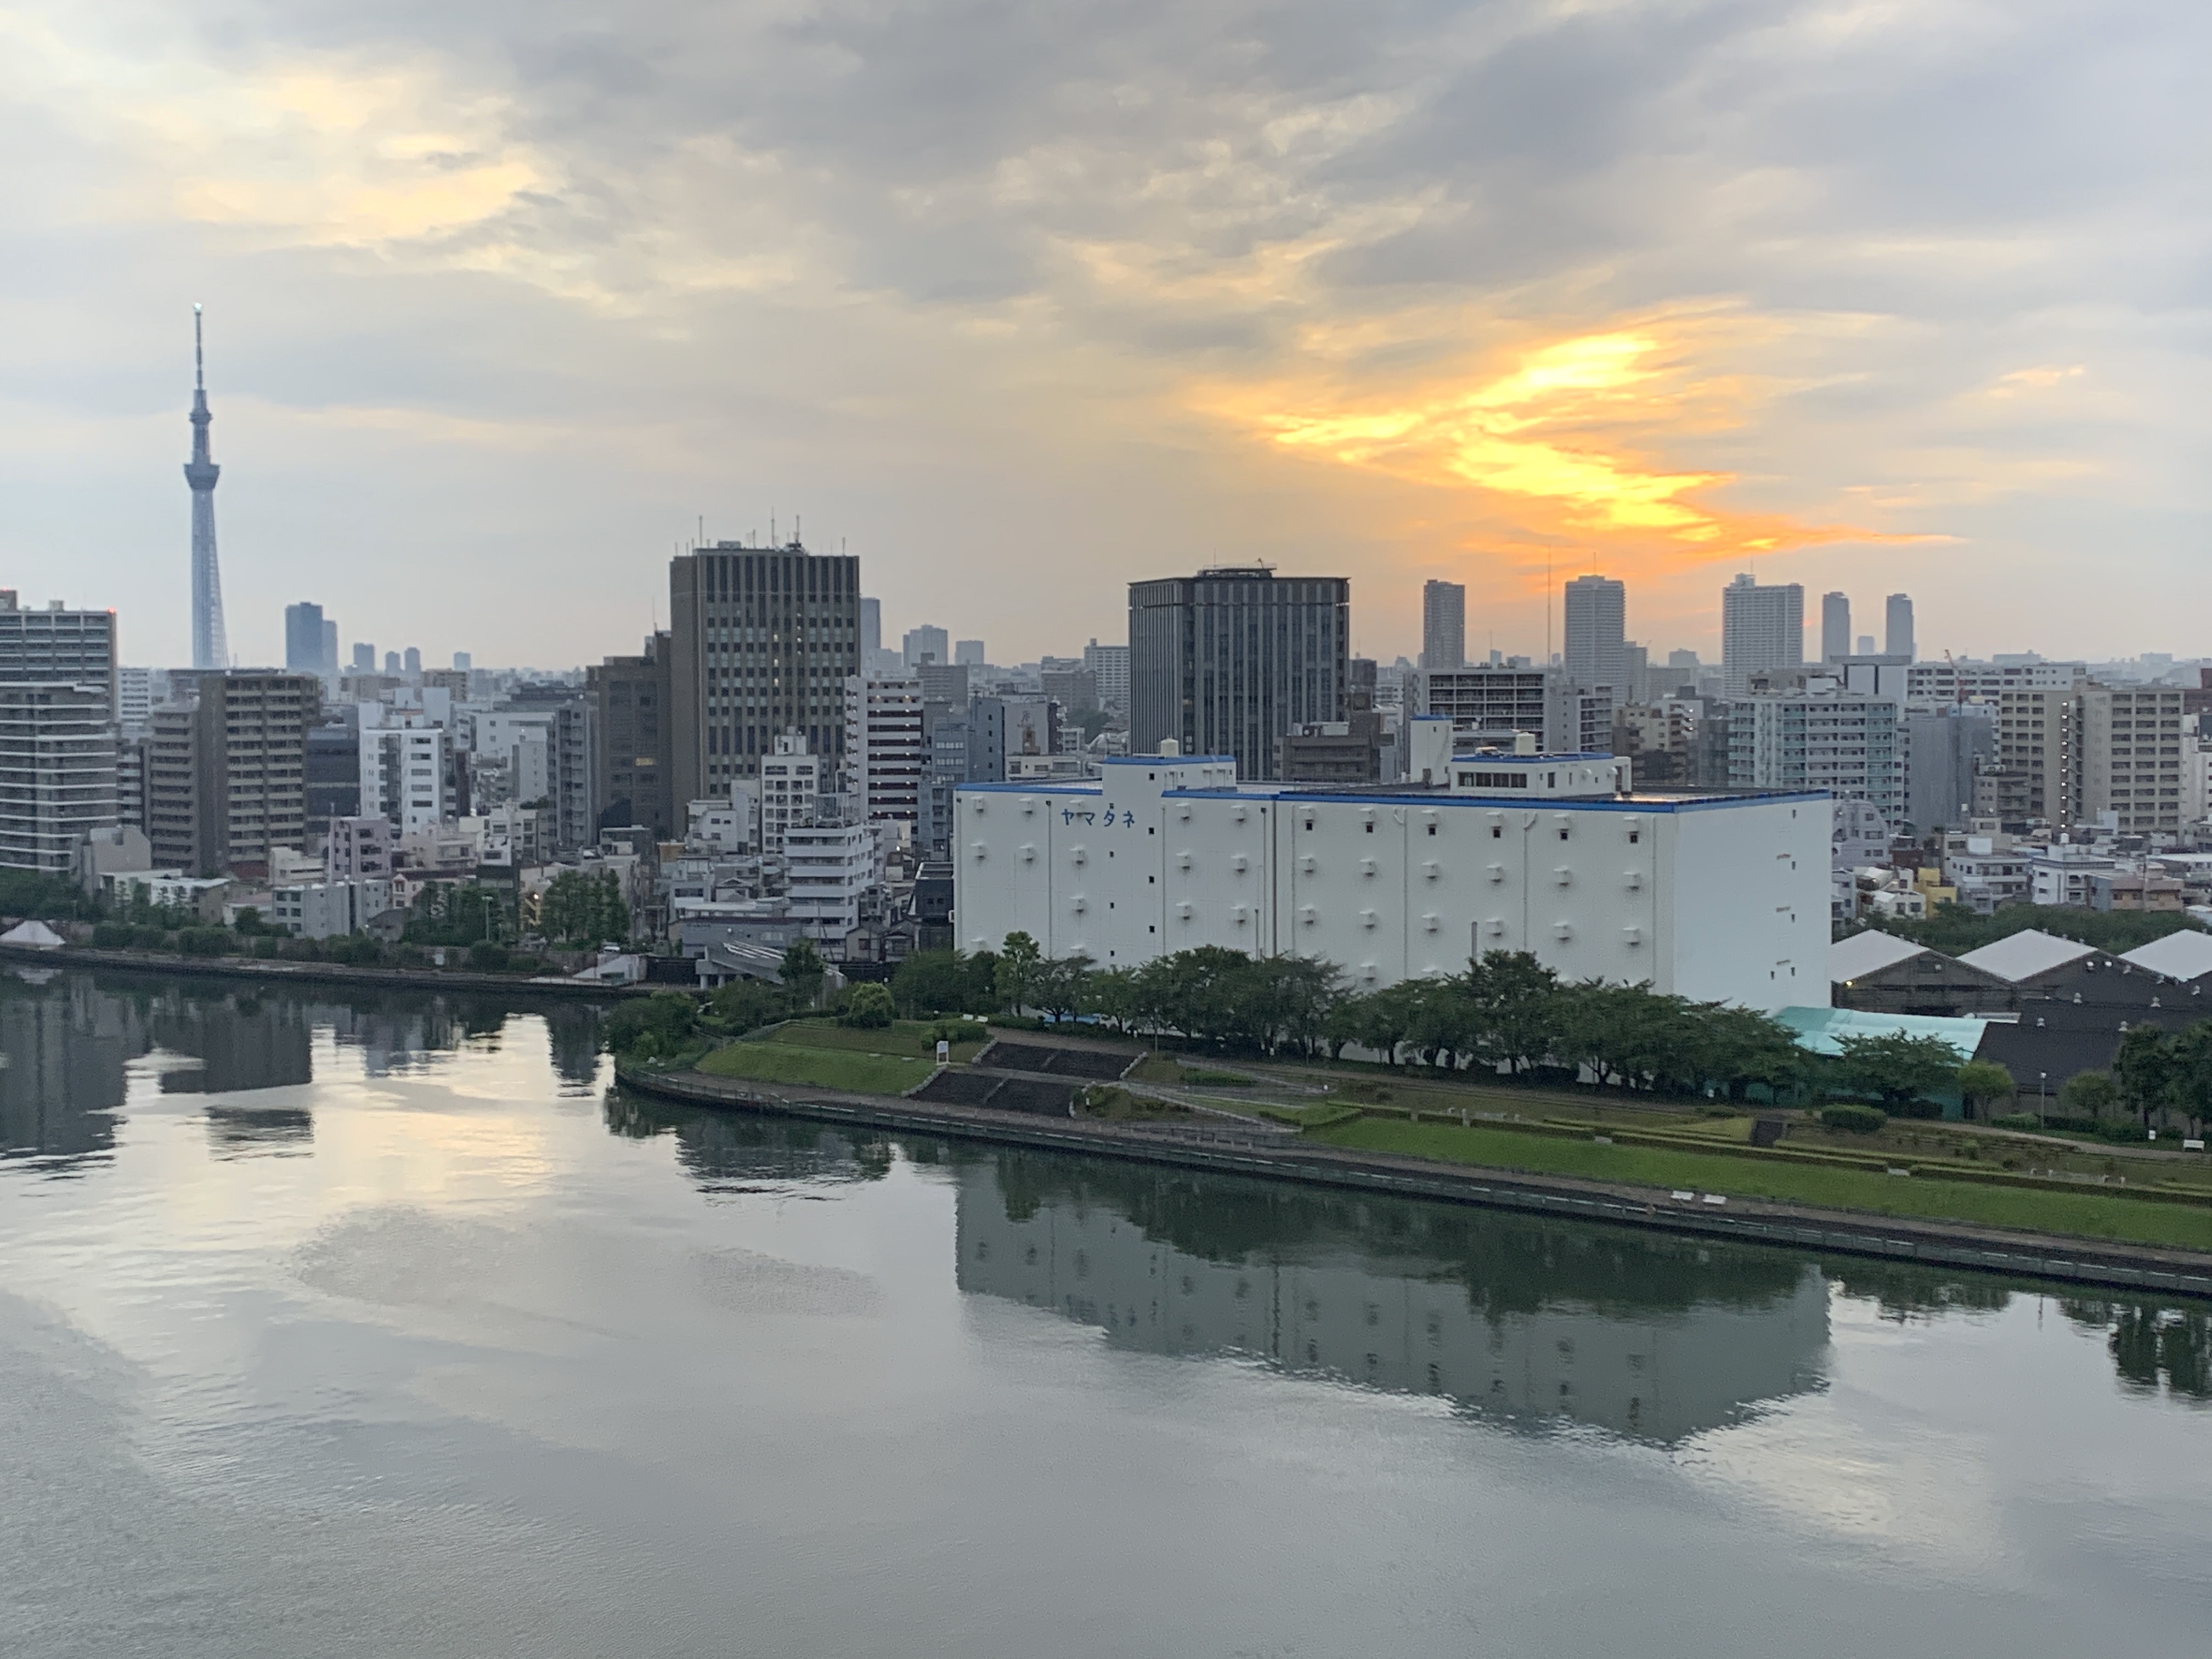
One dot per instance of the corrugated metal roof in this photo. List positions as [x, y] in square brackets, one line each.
[1822, 1031]
[2025, 954]
[2184, 954]
[1869, 953]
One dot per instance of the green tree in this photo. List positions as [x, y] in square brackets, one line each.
[2088, 1095]
[2145, 1069]
[2189, 1089]
[870, 1007]
[1110, 994]
[803, 972]
[1017, 959]
[1980, 1083]
[658, 1027]
[744, 1005]
[1517, 1008]
[1058, 986]
[933, 982]
[1896, 1069]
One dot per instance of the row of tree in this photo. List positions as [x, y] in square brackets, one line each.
[1507, 1012]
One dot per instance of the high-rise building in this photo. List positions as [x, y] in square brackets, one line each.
[1109, 670]
[303, 638]
[926, 643]
[1945, 747]
[56, 771]
[333, 774]
[1843, 741]
[791, 789]
[1495, 704]
[330, 652]
[134, 705]
[391, 662]
[1595, 618]
[226, 774]
[56, 644]
[364, 658]
[969, 654]
[1000, 729]
[575, 774]
[872, 632]
[884, 749]
[1835, 626]
[632, 703]
[211, 646]
[1228, 661]
[413, 663]
[1444, 625]
[1761, 627]
[1898, 619]
[762, 641]
[1866, 645]
[407, 773]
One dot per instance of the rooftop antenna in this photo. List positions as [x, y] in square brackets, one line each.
[702, 542]
[798, 534]
[199, 362]
[771, 526]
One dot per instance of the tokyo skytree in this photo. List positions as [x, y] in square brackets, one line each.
[210, 649]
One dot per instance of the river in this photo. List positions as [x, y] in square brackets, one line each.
[341, 1324]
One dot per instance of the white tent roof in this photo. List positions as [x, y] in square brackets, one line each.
[2184, 954]
[33, 933]
[1869, 953]
[2025, 954]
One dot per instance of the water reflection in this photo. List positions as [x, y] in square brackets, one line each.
[738, 1153]
[71, 1045]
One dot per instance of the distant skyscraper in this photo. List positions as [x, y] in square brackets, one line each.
[1866, 645]
[872, 631]
[1835, 626]
[303, 637]
[1595, 625]
[210, 649]
[414, 662]
[391, 662]
[928, 643]
[463, 662]
[364, 658]
[968, 652]
[1444, 625]
[1761, 627]
[1900, 623]
[1228, 661]
[330, 649]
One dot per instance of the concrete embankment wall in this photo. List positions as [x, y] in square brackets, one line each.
[2059, 1261]
[273, 972]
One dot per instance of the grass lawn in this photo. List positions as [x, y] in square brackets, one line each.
[2088, 1215]
[821, 1068]
[909, 1037]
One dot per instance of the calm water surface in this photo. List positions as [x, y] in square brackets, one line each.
[381, 1325]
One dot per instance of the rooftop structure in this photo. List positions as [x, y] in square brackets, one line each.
[211, 646]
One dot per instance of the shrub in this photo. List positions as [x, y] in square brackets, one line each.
[2016, 1121]
[1854, 1120]
[487, 955]
[521, 962]
[148, 938]
[652, 1028]
[870, 1005]
[265, 946]
[300, 950]
[113, 935]
[203, 941]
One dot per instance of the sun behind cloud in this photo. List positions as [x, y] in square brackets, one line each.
[1563, 436]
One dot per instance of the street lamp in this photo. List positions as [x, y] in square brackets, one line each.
[2042, 1099]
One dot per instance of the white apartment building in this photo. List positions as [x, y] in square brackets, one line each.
[1714, 897]
[57, 772]
[832, 866]
[1965, 680]
[406, 771]
[358, 848]
[134, 700]
[883, 748]
[1109, 668]
[328, 909]
[1987, 876]
[1840, 742]
[1761, 627]
[2060, 874]
[790, 790]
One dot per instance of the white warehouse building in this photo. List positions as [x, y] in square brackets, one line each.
[1714, 897]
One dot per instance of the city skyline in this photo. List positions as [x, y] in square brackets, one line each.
[483, 295]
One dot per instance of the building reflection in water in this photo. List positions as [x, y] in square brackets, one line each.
[740, 1152]
[1525, 1320]
[70, 1043]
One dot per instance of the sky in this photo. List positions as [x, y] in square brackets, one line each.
[1020, 302]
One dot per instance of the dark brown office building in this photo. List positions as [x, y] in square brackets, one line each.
[630, 699]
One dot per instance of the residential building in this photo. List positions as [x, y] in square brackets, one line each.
[871, 633]
[764, 639]
[226, 774]
[575, 774]
[1074, 688]
[632, 702]
[359, 850]
[1839, 742]
[1897, 641]
[1443, 626]
[407, 773]
[1225, 662]
[1493, 702]
[1761, 627]
[2134, 889]
[57, 646]
[2088, 755]
[1657, 737]
[1944, 748]
[1578, 719]
[832, 867]
[945, 769]
[328, 909]
[1988, 873]
[56, 771]
[1835, 627]
[927, 643]
[2058, 875]
[1001, 728]
[1109, 673]
[130, 780]
[791, 778]
[136, 695]
[884, 749]
[364, 658]
[1725, 898]
[1593, 619]
[412, 664]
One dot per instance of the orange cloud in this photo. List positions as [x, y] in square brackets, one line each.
[1559, 439]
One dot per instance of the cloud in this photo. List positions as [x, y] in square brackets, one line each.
[1047, 296]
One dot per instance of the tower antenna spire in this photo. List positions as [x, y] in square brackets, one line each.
[209, 647]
